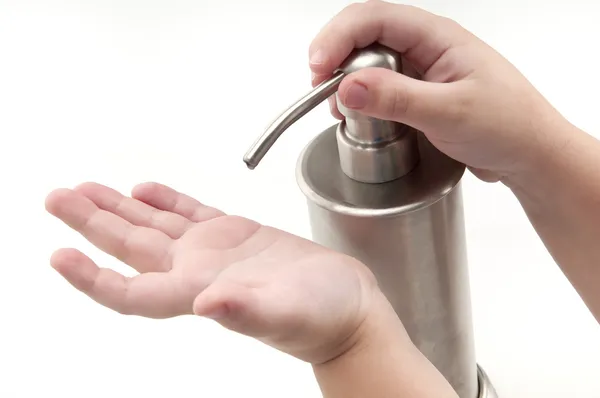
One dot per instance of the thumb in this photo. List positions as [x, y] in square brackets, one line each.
[237, 307]
[388, 95]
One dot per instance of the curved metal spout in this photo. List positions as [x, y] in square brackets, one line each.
[304, 105]
[370, 150]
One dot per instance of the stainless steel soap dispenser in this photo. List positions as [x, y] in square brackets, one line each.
[378, 191]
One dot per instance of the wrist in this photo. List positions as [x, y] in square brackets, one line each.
[543, 162]
[382, 361]
[380, 328]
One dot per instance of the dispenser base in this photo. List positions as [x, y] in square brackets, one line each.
[486, 389]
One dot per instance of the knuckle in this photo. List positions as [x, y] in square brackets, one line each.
[398, 103]
[381, 4]
[409, 8]
[337, 26]
[373, 8]
[373, 3]
[350, 10]
[449, 23]
[377, 9]
[460, 109]
[453, 27]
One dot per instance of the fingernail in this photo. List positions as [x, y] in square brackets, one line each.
[356, 96]
[318, 58]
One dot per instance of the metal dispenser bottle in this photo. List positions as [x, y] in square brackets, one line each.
[380, 192]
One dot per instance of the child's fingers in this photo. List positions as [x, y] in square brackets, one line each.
[150, 295]
[423, 37]
[144, 249]
[318, 79]
[135, 211]
[167, 199]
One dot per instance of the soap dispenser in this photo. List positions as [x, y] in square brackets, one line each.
[379, 191]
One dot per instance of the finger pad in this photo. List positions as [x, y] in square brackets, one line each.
[56, 199]
[75, 267]
[70, 206]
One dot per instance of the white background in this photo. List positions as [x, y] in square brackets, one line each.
[125, 91]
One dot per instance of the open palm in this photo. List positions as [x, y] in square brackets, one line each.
[191, 258]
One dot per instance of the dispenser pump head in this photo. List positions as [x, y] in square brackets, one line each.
[370, 150]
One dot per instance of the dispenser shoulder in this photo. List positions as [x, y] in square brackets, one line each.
[323, 182]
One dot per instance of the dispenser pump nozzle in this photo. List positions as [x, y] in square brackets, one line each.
[371, 150]
[304, 105]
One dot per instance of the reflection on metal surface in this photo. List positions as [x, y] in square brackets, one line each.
[486, 389]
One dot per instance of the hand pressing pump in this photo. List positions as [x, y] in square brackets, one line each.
[379, 191]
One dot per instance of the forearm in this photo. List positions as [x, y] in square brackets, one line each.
[382, 363]
[561, 196]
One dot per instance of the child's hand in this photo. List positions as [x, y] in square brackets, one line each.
[286, 291]
[471, 102]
